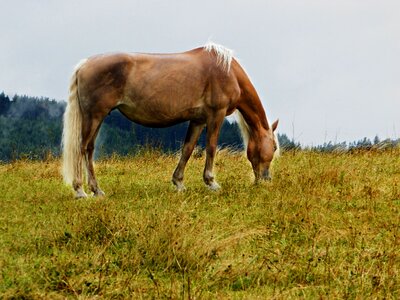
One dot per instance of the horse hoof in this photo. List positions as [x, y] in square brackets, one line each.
[99, 193]
[80, 194]
[180, 187]
[214, 186]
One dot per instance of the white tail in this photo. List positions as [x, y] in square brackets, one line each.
[72, 132]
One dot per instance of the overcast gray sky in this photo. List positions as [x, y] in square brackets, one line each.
[328, 69]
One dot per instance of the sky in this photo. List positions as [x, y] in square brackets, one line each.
[329, 70]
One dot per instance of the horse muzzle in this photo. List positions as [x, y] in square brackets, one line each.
[266, 176]
[263, 177]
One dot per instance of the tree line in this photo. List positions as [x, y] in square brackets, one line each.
[31, 127]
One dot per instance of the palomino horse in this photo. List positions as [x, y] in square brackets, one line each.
[202, 86]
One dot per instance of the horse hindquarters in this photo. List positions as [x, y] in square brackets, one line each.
[79, 133]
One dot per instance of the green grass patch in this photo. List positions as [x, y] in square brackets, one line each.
[327, 226]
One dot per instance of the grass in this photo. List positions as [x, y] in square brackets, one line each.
[327, 226]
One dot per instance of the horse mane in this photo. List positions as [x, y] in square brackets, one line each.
[224, 55]
[244, 129]
[278, 146]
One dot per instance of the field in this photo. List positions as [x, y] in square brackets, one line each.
[327, 226]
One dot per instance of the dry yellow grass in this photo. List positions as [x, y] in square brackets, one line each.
[327, 226]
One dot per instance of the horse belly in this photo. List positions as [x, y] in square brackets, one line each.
[160, 113]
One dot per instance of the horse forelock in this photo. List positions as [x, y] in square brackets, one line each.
[224, 55]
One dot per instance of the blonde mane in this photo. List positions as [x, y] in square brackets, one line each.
[224, 55]
[244, 129]
[278, 146]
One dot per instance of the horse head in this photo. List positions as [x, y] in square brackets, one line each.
[261, 149]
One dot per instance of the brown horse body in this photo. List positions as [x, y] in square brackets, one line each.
[201, 86]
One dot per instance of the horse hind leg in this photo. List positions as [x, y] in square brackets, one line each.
[192, 135]
[92, 182]
[77, 183]
[91, 129]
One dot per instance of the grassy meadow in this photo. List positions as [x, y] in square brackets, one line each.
[327, 226]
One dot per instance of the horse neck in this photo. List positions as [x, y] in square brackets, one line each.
[252, 111]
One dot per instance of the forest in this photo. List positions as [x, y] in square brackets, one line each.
[31, 127]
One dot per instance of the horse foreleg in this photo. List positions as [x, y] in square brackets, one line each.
[192, 135]
[213, 128]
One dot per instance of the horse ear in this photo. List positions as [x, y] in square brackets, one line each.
[275, 124]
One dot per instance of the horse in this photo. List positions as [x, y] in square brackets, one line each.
[202, 86]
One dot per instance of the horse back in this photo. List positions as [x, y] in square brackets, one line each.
[157, 89]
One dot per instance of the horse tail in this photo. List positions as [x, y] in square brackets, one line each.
[72, 132]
